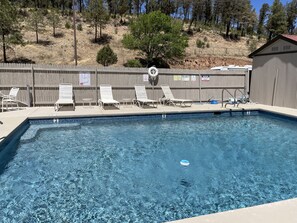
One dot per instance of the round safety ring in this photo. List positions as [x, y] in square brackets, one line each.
[153, 72]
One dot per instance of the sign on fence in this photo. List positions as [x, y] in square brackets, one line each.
[205, 78]
[84, 79]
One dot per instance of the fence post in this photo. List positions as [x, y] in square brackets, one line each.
[33, 85]
[199, 87]
[245, 82]
[96, 86]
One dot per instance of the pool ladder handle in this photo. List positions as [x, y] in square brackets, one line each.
[229, 94]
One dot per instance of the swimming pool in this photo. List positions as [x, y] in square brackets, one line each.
[127, 169]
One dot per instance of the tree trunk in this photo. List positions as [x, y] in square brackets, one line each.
[228, 29]
[54, 31]
[80, 6]
[100, 30]
[36, 33]
[96, 33]
[270, 35]
[191, 22]
[4, 48]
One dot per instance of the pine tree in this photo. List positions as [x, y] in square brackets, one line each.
[36, 22]
[277, 22]
[106, 56]
[262, 17]
[9, 29]
[97, 15]
[291, 9]
[54, 20]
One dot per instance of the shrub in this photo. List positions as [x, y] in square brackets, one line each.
[205, 39]
[207, 45]
[200, 43]
[253, 45]
[67, 25]
[133, 63]
[79, 27]
[106, 56]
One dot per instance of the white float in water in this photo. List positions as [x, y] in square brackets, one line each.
[184, 162]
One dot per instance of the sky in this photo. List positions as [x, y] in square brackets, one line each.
[257, 4]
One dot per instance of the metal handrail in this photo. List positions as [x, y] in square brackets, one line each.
[223, 96]
[239, 91]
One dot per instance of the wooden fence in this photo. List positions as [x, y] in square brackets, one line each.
[39, 83]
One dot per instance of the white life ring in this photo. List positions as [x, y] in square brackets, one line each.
[153, 72]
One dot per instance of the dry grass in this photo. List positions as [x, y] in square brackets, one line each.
[59, 50]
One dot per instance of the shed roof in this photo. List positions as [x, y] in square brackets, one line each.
[289, 38]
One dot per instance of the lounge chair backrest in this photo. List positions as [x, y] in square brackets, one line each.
[140, 92]
[13, 92]
[66, 91]
[106, 92]
[167, 92]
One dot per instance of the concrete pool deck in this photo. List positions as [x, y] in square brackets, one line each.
[283, 211]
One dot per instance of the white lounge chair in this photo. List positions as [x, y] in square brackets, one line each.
[65, 96]
[141, 97]
[170, 99]
[107, 97]
[10, 99]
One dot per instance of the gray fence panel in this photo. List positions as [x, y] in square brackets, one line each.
[44, 81]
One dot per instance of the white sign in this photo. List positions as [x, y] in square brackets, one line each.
[205, 78]
[145, 77]
[193, 77]
[186, 78]
[84, 79]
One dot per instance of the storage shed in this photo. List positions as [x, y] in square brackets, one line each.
[274, 75]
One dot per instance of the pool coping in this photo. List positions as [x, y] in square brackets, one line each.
[281, 211]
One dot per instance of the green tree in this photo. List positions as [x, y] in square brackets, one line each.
[262, 17]
[123, 7]
[97, 15]
[54, 19]
[157, 36]
[106, 56]
[291, 9]
[9, 29]
[36, 22]
[277, 21]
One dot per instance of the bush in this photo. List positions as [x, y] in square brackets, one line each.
[133, 63]
[207, 45]
[200, 43]
[253, 45]
[79, 27]
[106, 56]
[205, 39]
[67, 25]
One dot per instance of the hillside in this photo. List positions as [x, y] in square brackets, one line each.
[59, 50]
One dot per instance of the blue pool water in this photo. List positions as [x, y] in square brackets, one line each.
[130, 171]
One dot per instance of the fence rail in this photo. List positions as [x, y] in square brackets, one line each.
[43, 82]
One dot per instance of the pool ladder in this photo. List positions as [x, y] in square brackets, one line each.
[223, 96]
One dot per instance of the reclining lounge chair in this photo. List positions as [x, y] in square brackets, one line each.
[10, 99]
[141, 97]
[107, 97]
[65, 96]
[170, 99]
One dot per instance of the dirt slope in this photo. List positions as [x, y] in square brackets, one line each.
[59, 50]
